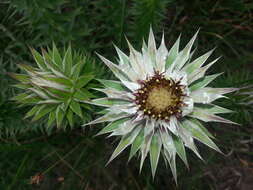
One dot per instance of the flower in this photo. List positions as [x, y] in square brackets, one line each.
[157, 102]
[55, 88]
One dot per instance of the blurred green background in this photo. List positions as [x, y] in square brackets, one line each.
[66, 160]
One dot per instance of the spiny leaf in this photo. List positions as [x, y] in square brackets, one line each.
[57, 93]
[180, 149]
[196, 64]
[32, 111]
[83, 80]
[80, 95]
[51, 119]
[42, 111]
[198, 134]
[70, 117]
[203, 82]
[125, 142]
[39, 60]
[20, 77]
[112, 84]
[155, 149]
[60, 80]
[136, 145]
[112, 126]
[67, 62]
[173, 52]
[56, 56]
[76, 69]
[212, 109]
[20, 97]
[59, 116]
[76, 108]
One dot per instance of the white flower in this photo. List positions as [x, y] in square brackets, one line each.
[155, 105]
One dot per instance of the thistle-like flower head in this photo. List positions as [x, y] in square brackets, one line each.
[157, 102]
[57, 87]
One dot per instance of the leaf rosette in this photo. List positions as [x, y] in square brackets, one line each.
[57, 88]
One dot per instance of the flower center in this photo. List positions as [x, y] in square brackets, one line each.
[160, 98]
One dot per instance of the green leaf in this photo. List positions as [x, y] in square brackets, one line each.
[76, 69]
[145, 147]
[110, 116]
[31, 100]
[123, 57]
[80, 95]
[207, 95]
[180, 149]
[39, 92]
[173, 52]
[42, 111]
[22, 86]
[59, 116]
[208, 117]
[26, 98]
[76, 108]
[136, 145]
[50, 101]
[57, 93]
[20, 77]
[155, 149]
[20, 97]
[51, 65]
[39, 60]
[70, 117]
[169, 151]
[204, 129]
[107, 102]
[88, 94]
[171, 159]
[86, 106]
[112, 126]
[32, 111]
[198, 134]
[60, 80]
[196, 64]
[203, 82]
[67, 62]
[27, 68]
[200, 72]
[56, 56]
[83, 80]
[117, 71]
[112, 84]
[212, 109]
[103, 112]
[125, 142]
[185, 54]
[51, 119]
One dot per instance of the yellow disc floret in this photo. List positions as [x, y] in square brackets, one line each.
[160, 98]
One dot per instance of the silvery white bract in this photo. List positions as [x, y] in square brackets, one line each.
[157, 102]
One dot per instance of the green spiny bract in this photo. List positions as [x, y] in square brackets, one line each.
[57, 87]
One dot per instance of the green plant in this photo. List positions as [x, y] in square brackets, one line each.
[57, 87]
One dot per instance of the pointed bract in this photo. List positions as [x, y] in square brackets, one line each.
[157, 102]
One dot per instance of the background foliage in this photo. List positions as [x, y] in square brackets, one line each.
[76, 160]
